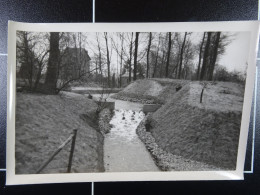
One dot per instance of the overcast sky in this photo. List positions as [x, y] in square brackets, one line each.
[237, 52]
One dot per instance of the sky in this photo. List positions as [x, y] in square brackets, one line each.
[237, 52]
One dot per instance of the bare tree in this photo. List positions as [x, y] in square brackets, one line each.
[51, 75]
[157, 54]
[121, 57]
[40, 62]
[24, 53]
[181, 55]
[148, 52]
[31, 60]
[135, 55]
[188, 56]
[130, 59]
[200, 55]
[214, 56]
[99, 56]
[168, 54]
[108, 60]
[205, 57]
[204, 86]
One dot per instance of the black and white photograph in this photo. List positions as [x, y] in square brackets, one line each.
[130, 101]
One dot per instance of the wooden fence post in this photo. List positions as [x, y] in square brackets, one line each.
[72, 149]
[54, 154]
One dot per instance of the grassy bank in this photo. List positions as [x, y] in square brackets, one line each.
[206, 132]
[165, 160]
[43, 122]
[150, 91]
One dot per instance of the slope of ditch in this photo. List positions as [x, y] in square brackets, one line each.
[207, 131]
[44, 122]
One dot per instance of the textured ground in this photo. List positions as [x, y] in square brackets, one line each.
[43, 122]
[207, 131]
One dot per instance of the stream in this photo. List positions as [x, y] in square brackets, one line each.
[123, 150]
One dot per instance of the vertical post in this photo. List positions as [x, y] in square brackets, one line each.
[72, 149]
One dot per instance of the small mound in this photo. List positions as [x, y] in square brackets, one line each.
[144, 87]
[151, 91]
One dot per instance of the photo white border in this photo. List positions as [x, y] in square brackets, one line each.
[12, 178]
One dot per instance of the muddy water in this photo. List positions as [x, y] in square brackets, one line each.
[123, 150]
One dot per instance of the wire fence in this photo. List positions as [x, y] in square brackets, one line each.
[71, 137]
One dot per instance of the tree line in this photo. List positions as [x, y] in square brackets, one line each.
[42, 62]
[167, 55]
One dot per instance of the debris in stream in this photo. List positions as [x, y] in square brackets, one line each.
[104, 121]
[124, 151]
[125, 123]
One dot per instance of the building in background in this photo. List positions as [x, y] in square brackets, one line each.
[75, 64]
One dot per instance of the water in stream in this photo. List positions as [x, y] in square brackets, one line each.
[123, 150]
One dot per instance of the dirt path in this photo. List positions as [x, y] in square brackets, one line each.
[123, 150]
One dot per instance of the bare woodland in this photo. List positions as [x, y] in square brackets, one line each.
[193, 81]
[49, 62]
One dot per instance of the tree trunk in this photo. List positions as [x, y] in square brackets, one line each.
[162, 64]
[51, 75]
[39, 73]
[108, 61]
[201, 94]
[156, 58]
[100, 63]
[96, 71]
[181, 55]
[148, 52]
[200, 55]
[26, 67]
[205, 57]
[121, 60]
[168, 55]
[214, 57]
[135, 55]
[130, 59]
